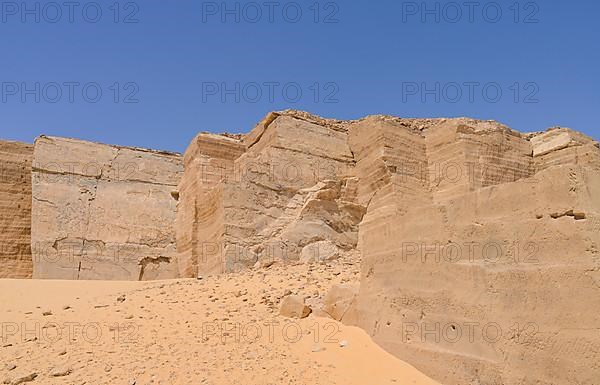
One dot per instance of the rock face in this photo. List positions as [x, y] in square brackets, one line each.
[15, 210]
[103, 212]
[289, 187]
[484, 255]
[480, 245]
[208, 160]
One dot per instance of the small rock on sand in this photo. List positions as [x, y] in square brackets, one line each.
[293, 306]
[62, 372]
[24, 379]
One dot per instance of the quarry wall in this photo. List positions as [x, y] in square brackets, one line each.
[488, 262]
[15, 210]
[103, 212]
[479, 245]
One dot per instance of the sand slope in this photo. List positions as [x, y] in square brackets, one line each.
[219, 330]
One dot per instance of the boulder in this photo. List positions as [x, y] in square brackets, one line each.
[319, 252]
[292, 306]
[340, 303]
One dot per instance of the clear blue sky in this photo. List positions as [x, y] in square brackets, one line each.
[347, 58]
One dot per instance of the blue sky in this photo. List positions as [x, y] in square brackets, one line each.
[166, 71]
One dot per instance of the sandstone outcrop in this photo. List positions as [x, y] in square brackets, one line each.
[103, 212]
[488, 261]
[207, 162]
[466, 228]
[479, 244]
[290, 186]
[15, 210]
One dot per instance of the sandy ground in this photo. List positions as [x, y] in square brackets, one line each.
[219, 330]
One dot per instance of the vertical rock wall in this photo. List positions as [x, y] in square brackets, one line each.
[290, 187]
[489, 276]
[103, 212]
[15, 210]
[287, 155]
[480, 245]
[208, 161]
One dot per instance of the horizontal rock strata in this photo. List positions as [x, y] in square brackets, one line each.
[15, 210]
[103, 212]
[488, 262]
[288, 187]
[479, 244]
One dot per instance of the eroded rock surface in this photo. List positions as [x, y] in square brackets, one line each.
[340, 303]
[489, 261]
[289, 187]
[103, 212]
[208, 160]
[15, 210]
[479, 245]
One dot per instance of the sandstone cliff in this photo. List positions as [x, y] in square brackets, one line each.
[15, 210]
[208, 160]
[479, 245]
[103, 212]
[488, 261]
[285, 186]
